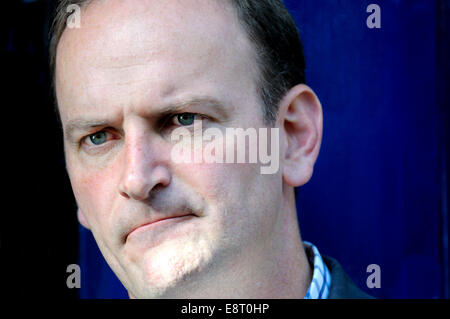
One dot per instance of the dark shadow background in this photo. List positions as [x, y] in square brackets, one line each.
[379, 194]
[39, 231]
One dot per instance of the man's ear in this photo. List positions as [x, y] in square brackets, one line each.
[300, 116]
[82, 219]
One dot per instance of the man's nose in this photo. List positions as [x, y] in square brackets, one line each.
[145, 168]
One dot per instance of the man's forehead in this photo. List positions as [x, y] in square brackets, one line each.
[124, 30]
[123, 42]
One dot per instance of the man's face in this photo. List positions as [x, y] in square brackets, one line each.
[118, 77]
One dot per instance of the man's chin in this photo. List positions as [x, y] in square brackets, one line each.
[166, 267]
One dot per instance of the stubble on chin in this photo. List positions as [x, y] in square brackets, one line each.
[165, 269]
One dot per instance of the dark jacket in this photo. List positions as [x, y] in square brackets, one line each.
[342, 287]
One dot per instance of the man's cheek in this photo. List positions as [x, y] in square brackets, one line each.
[215, 180]
[93, 193]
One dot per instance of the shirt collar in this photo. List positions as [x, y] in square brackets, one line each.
[321, 280]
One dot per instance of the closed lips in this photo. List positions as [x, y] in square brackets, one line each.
[159, 220]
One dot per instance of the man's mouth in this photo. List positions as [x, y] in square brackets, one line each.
[159, 223]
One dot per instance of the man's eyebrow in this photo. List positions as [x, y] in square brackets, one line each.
[215, 105]
[82, 125]
[206, 102]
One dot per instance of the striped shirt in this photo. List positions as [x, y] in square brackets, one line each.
[321, 280]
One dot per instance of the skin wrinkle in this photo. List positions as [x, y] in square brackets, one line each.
[86, 124]
[244, 242]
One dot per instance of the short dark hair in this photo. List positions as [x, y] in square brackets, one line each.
[269, 27]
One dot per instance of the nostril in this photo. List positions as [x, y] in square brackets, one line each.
[124, 195]
[155, 190]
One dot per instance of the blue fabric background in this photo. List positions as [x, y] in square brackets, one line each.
[377, 195]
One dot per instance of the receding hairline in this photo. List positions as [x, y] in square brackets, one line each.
[247, 48]
[59, 28]
[279, 62]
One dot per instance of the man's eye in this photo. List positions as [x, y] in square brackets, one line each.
[98, 138]
[184, 119]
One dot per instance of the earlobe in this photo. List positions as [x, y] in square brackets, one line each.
[302, 122]
[82, 219]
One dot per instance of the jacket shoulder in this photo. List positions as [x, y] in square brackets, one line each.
[342, 287]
